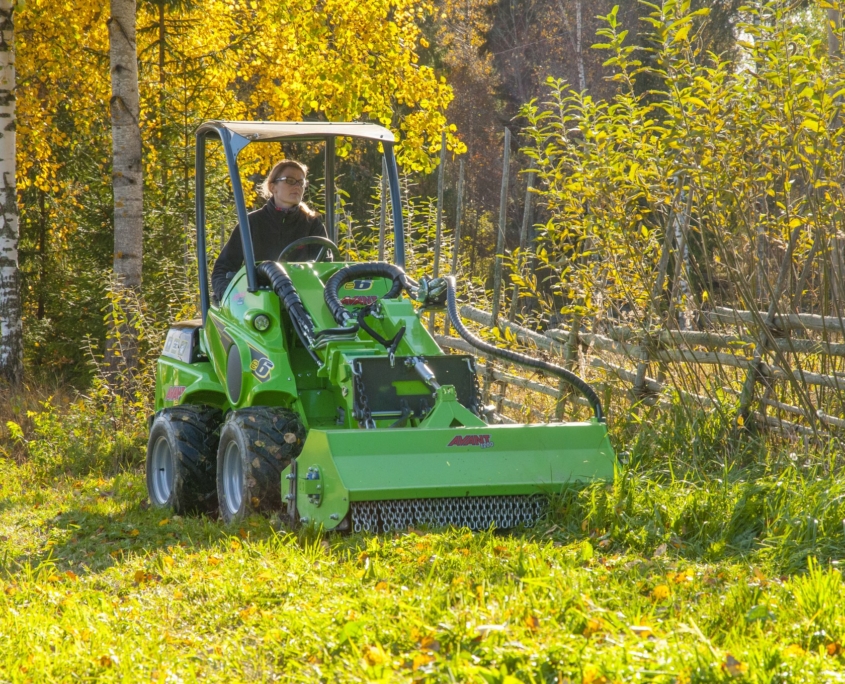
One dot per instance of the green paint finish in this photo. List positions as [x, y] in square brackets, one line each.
[449, 413]
[198, 380]
[372, 465]
[409, 388]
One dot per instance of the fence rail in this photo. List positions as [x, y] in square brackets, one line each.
[620, 357]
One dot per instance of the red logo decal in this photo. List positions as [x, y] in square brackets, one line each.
[482, 441]
[174, 393]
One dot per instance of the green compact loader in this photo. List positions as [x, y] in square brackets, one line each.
[313, 389]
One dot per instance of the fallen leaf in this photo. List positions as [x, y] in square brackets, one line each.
[382, 586]
[794, 651]
[733, 667]
[421, 660]
[532, 622]
[833, 649]
[429, 643]
[594, 625]
[374, 655]
[660, 551]
[163, 522]
[134, 533]
[660, 592]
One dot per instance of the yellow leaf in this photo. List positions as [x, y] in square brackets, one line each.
[660, 592]
[682, 33]
[374, 655]
[163, 522]
[422, 659]
[794, 651]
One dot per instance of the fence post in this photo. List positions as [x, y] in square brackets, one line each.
[439, 224]
[500, 242]
[382, 222]
[570, 356]
[523, 241]
[456, 240]
[746, 396]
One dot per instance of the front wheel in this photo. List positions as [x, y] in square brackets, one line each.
[256, 444]
[181, 459]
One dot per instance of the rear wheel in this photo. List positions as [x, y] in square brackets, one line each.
[181, 459]
[256, 444]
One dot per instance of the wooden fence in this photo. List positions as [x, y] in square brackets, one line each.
[798, 380]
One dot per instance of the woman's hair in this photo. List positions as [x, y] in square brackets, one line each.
[275, 172]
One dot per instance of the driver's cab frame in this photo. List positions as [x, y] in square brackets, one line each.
[236, 135]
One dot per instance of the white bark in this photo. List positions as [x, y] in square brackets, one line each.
[127, 176]
[127, 179]
[582, 77]
[575, 39]
[11, 338]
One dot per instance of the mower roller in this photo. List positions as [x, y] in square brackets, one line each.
[313, 389]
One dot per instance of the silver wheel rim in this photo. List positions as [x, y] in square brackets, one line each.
[162, 472]
[233, 477]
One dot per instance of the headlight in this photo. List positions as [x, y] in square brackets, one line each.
[261, 322]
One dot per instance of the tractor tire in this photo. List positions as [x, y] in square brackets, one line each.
[256, 445]
[182, 459]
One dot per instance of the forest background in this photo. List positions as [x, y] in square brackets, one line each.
[468, 67]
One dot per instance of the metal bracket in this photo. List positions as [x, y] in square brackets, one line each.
[313, 486]
[291, 495]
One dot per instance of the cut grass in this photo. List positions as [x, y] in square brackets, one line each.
[654, 578]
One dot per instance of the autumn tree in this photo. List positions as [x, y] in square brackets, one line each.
[127, 172]
[11, 350]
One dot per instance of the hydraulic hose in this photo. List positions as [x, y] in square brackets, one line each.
[378, 269]
[282, 285]
[565, 375]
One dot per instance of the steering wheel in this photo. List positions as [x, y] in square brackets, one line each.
[327, 245]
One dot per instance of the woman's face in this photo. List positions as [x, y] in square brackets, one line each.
[285, 195]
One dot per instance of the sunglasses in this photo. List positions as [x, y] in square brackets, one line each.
[292, 181]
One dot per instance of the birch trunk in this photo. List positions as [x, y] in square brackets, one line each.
[127, 177]
[11, 337]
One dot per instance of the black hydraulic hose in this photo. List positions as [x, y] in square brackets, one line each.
[481, 345]
[282, 285]
[378, 269]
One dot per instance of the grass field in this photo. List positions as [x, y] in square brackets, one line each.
[712, 558]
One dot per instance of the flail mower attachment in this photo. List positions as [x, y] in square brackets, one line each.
[438, 462]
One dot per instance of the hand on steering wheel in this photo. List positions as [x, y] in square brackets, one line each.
[328, 247]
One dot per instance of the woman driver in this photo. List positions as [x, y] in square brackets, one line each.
[284, 219]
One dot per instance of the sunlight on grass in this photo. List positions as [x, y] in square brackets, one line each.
[617, 585]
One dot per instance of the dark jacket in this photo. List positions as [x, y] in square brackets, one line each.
[272, 230]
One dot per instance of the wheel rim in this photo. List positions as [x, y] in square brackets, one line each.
[162, 471]
[233, 477]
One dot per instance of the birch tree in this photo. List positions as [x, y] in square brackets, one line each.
[11, 342]
[127, 170]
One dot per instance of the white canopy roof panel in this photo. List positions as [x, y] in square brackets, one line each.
[278, 130]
